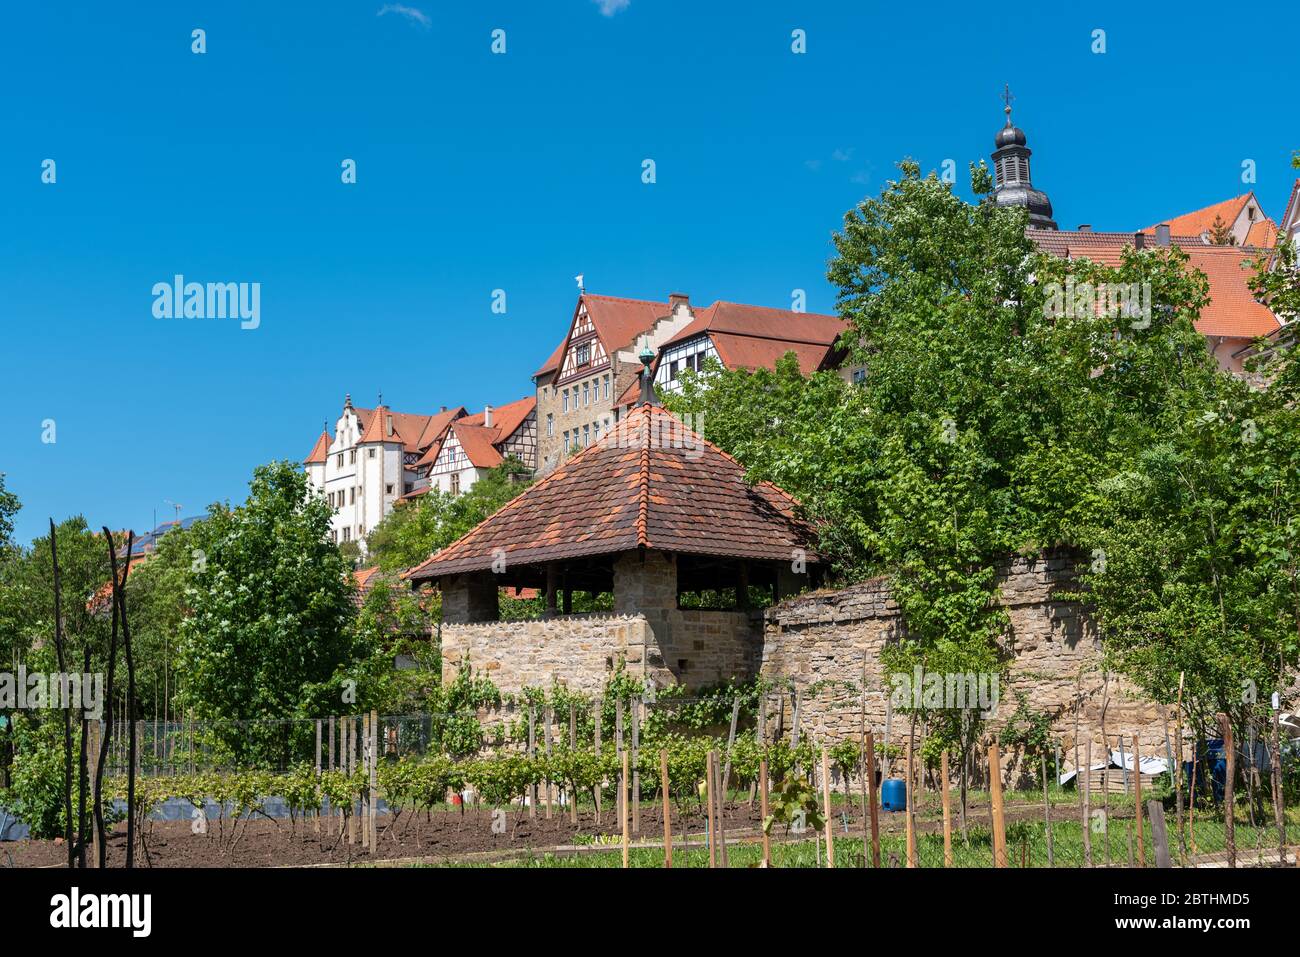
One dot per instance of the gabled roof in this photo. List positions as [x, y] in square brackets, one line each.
[436, 428]
[1261, 233]
[377, 429]
[479, 442]
[1200, 220]
[1232, 310]
[506, 419]
[320, 451]
[617, 321]
[763, 322]
[1292, 212]
[652, 483]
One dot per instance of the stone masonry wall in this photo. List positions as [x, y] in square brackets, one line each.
[647, 632]
[820, 641]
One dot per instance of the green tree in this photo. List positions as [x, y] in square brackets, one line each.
[270, 612]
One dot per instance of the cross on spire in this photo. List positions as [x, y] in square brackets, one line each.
[1008, 99]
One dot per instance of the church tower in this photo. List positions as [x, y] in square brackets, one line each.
[1012, 186]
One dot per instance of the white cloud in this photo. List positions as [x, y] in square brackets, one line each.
[813, 164]
[411, 13]
[842, 156]
[610, 7]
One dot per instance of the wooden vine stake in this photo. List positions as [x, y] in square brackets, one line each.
[365, 771]
[947, 809]
[318, 762]
[622, 789]
[909, 799]
[1084, 799]
[1229, 815]
[573, 747]
[708, 802]
[668, 819]
[719, 795]
[762, 810]
[872, 802]
[374, 778]
[995, 794]
[1137, 795]
[826, 809]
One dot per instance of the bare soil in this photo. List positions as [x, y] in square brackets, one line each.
[436, 835]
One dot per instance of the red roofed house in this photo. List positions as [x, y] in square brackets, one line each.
[1230, 321]
[376, 457]
[1241, 216]
[592, 376]
[476, 444]
[672, 516]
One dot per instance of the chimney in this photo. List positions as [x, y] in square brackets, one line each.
[1085, 227]
[487, 416]
[1162, 234]
[676, 299]
[443, 409]
[1139, 241]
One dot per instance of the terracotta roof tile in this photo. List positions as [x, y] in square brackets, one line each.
[1200, 220]
[320, 451]
[1232, 310]
[652, 482]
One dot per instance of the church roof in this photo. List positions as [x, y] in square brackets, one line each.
[651, 483]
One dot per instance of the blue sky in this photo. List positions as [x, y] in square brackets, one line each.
[518, 171]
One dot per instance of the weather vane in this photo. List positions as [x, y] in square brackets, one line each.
[1007, 98]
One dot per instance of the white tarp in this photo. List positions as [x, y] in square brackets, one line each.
[1123, 762]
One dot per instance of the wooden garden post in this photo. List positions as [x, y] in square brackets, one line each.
[947, 809]
[532, 754]
[622, 788]
[1084, 799]
[1229, 815]
[1047, 810]
[374, 778]
[668, 819]
[762, 810]
[1137, 795]
[573, 747]
[636, 766]
[720, 794]
[995, 793]
[826, 809]
[909, 798]
[318, 764]
[365, 771]
[872, 802]
[597, 712]
[708, 799]
[1159, 836]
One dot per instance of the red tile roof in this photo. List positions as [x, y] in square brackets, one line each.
[476, 442]
[652, 483]
[617, 321]
[383, 427]
[763, 322]
[479, 441]
[320, 451]
[1200, 220]
[1232, 310]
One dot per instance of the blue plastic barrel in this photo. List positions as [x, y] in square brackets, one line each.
[893, 794]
